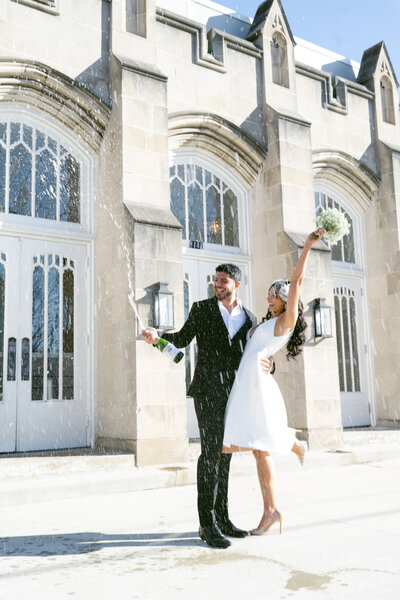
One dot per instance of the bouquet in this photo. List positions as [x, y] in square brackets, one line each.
[335, 223]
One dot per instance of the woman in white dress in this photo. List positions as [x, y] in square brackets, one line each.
[255, 417]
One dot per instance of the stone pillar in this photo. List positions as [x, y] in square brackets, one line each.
[283, 214]
[383, 259]
[142, 400]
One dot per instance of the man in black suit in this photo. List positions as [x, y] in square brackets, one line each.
[220, 325]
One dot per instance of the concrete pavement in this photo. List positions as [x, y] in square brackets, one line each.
[29, 478]
[340, 541]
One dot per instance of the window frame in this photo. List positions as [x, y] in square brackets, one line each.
[21, 223]
[358, 267]
[216, 168]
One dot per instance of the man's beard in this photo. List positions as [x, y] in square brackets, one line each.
[225, 295]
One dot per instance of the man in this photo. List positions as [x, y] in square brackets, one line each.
[220, 325]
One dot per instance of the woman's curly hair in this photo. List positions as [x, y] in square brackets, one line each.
[297, 339]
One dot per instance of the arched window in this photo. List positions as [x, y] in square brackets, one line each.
[279, 59]
[39, 177]
[343, 251]
[206, 206]
[387, 100]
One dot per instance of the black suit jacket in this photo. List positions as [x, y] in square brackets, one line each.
[218, 355]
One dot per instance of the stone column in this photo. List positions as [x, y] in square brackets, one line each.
[283, 214]
[142, 400]
[383, 259]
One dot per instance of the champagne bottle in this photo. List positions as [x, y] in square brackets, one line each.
[168, 349]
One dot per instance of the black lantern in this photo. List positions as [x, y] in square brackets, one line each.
[163, 306]
[322, 319]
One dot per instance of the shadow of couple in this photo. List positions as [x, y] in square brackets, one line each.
[85, 542]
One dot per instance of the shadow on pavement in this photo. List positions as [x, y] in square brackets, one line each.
[86, 542]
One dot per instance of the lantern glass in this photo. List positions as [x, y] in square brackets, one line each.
[322, 319]
[163, 307]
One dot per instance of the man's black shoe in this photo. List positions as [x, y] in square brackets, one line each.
[213, 537]
[228, 528]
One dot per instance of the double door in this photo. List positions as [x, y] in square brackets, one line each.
[43, 345]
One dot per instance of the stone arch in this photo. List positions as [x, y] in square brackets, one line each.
[34, 84]
[220, 138]
[351, 175]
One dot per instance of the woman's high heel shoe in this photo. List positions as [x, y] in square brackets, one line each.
[276, 518]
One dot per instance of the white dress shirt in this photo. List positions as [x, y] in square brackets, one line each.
[233, 320]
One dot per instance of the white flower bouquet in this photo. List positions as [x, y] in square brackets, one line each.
[335, 223]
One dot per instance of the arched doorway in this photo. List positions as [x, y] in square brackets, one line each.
[44, 273]
[211, 205]
[351, 311]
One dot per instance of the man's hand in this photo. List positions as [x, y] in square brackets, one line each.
[267, 364]
[150, 335]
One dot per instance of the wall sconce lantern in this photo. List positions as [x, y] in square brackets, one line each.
[163, 306]
[322, 319]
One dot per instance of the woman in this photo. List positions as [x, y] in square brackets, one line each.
[255, 417]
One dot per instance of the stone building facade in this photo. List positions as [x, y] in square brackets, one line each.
[146, 141]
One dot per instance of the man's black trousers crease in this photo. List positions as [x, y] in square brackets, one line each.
[212, 466]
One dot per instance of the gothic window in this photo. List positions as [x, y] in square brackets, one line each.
[39, 177]
[387, 100]
[343, 251]
[205, 205]
[279, 60]
[136, 17]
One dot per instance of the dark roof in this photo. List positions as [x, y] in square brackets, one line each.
[369, 63]
[262, 15]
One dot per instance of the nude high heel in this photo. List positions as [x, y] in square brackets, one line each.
[276, 518]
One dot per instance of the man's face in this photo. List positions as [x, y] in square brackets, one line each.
[224, 286]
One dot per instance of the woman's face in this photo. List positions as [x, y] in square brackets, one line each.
[275, 303]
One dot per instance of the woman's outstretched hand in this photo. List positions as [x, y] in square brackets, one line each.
[315, 236]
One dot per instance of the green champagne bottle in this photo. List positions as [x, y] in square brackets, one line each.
[168, 349]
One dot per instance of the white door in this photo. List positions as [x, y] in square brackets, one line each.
[198, 285]
[352, 352]
[43, 345]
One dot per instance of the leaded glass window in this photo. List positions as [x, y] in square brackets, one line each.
[38, 176]
[205, 205]
[344, 250]
[53, 328]
[346, 339]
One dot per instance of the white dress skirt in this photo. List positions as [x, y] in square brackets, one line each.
[255, 415]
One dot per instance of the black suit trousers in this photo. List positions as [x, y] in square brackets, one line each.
[212, 466]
